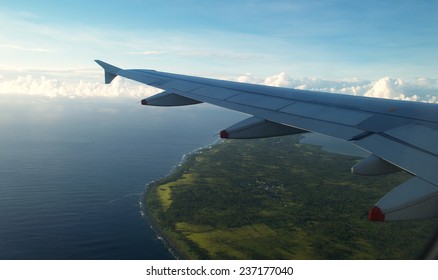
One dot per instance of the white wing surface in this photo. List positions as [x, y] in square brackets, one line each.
[399, 135]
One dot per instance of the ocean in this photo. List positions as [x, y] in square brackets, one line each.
[73, 171]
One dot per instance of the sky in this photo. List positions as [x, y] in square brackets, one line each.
[374, 48]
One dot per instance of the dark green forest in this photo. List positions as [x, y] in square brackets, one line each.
[278, 199]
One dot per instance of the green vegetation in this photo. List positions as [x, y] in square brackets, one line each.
[278, 199]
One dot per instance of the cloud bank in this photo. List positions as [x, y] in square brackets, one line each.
[420, 89]
[50, 87]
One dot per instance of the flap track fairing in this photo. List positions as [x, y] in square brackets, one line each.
[373, 165]
[168, 99]
[253, 128]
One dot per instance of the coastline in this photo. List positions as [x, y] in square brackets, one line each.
[159, 234]
[147, 215]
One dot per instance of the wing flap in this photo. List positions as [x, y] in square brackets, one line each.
[380, 123]
[141, 77]
[404, 155]
[327, 113]
[260, 101]
[419, 136]
[321, 126]
[181, 85]
[216, 92]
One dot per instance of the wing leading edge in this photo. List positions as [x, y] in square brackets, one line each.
[399, 135]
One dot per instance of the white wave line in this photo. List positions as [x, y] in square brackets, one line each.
[123, 197]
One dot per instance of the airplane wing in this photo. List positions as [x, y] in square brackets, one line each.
[399, 135]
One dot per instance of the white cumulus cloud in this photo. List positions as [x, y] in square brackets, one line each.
[280, 80]
[387, 88]
[420, 89]
[50, 87]
[69, 84]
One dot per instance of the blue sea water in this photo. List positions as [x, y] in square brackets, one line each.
[72, 173]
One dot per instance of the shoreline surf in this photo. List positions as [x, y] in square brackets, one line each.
[160, 235]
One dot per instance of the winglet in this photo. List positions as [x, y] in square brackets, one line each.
[111, 71]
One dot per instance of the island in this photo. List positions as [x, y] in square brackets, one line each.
[277, 199]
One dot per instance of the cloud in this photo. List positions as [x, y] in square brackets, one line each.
[71, 83]
[280, 80]
[387, 88]
[420, 89]
[49, 87]
[352, 86]
[249, 78]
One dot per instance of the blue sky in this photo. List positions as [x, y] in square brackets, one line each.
[336, 39]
